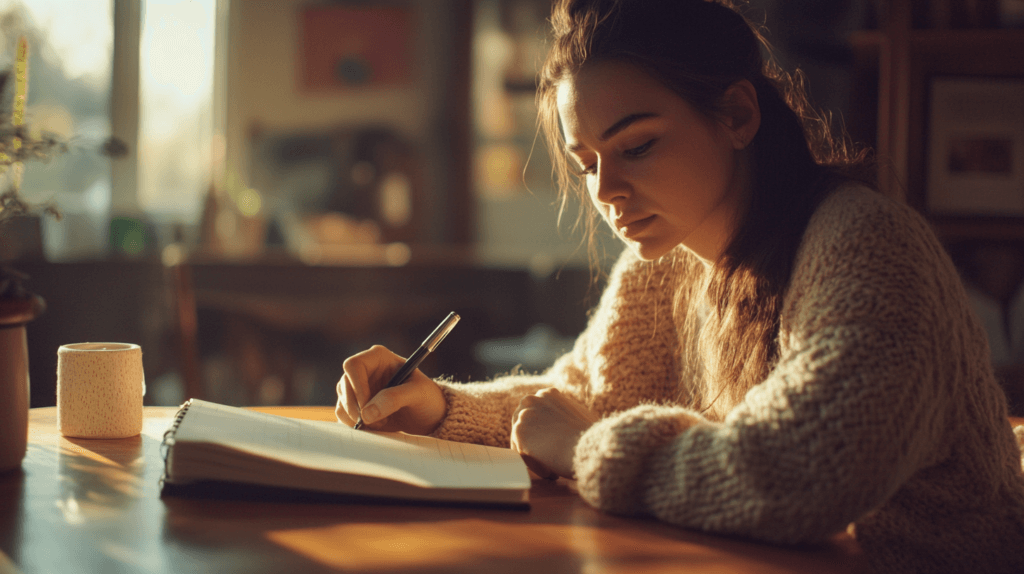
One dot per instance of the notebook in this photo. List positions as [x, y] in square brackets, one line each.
[214, 448]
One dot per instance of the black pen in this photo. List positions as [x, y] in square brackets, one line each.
[414, 360]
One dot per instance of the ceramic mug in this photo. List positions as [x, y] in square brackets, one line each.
[99, 390]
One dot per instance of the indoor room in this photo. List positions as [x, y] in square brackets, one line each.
[271, 207]
[253, 191]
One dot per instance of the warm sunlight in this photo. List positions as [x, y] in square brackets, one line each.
[175, 107]
[468, 543]
[81, 43]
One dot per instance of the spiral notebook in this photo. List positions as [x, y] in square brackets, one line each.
[215, 450]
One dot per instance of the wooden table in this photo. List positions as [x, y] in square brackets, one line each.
[93, 506]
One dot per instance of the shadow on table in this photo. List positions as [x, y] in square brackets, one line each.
[562, 535]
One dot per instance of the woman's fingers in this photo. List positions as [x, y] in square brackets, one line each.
[347, 410]
[535, 466]
[368, 370]
[364, 373]
[546, 428]
[351, 404]
[387, 401]
[417, 406]
[341, 407]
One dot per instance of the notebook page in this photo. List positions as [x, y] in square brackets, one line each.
[419, 460]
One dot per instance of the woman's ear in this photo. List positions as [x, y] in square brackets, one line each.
[741, 113]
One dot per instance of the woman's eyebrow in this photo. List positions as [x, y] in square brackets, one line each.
[616, 128]
[624, 123]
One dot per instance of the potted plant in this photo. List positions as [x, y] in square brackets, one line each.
[18, 306]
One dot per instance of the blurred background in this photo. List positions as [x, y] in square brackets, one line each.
[254, 190]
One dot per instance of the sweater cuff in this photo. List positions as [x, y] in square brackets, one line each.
[472, 421]
[611, 457]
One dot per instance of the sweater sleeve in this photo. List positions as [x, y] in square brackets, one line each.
[632, 323]
[481, 413]
[874, 327]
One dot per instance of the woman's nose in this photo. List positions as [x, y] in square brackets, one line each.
[608, 185]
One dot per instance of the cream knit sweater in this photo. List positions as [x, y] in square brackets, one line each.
[882, 410]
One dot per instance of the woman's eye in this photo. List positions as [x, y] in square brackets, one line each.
[589, 169]
[640, 149]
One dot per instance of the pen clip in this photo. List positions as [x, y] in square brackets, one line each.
[442, 330]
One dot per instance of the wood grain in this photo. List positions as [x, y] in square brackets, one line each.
[94, 506]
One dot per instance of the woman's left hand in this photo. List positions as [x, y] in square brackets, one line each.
[546, 428]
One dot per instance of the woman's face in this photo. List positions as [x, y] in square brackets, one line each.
[660, 172]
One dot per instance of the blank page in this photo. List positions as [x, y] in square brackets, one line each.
[418, 460]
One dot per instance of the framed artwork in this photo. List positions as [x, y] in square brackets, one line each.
[346, 46]
[975, 161]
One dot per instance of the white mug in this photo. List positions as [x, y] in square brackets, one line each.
[99, 390]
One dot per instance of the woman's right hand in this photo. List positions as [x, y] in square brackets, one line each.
[416, 406]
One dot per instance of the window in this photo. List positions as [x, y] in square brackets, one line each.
[158, 188]
[68, 95]
[175, 145]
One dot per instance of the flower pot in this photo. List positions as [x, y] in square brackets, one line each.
[15, 313]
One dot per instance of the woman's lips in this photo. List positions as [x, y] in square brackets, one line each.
[636, 227]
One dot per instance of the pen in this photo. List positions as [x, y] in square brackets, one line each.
[426, 347]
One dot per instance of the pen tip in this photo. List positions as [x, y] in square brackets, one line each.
[359, 424]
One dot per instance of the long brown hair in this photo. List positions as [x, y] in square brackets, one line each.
[699, 48]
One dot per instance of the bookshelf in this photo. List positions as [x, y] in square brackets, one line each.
[894, 67]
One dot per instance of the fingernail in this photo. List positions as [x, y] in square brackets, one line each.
[370, 414]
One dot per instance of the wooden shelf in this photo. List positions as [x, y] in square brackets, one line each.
[893, 70]
[995, 229]
[942, 40]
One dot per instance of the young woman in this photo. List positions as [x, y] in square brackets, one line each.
[781, 353]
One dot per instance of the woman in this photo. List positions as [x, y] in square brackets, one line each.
[780, 353]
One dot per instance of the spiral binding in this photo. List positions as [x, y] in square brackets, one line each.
[168, 440]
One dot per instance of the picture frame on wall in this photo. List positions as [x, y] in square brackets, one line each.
[346, 47]
[975, 161]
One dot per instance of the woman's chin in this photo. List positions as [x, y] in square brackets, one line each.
[649, 251]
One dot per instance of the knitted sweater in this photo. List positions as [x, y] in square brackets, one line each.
[882, 410]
